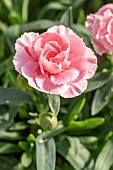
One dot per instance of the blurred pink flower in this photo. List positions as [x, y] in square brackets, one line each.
[100, 25]
[55, 62]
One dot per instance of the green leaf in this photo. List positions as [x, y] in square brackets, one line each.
[26, 158]
[45, 154]
[13, 95]
[77, 3]
[41, 24]
[105, 157]
[13, 111]
[11, 136]
[51, 6]
[8, 4]
[6, 148]
[23, 145]
[90, 123]
[11, 34]
[54, 103]
[55, 132]
[74, 152]
[98, 80]
[7, 63]
[80, 30]
[8, 162]
[75, 108]
[31, 138]
[102, 97]
[25, 10]
[18, 126]
[67, 18]
[91, 142]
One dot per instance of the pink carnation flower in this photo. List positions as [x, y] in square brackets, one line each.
[55, 62]
[100, 25]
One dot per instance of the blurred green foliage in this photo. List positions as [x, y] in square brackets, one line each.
[83, 139]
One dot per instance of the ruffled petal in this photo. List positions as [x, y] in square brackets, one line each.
[91, 64]
[62, 30]
[30, 71]
[100, 49]
[45, 84]
[105, 40]
[65, 76]
[50, 67]
[75, 89]
[21, 57]
[104, 8]
[89, 22]
[77, 46]
[26, 40]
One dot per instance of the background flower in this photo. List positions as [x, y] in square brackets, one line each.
[100, 25]
[55, 62]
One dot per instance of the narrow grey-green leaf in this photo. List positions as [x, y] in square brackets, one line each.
[45, 154]
[90, 123]
[77, 3]
[26, 158]
[11, 34]
[67, 18]
[8, 162]
[37, 25]
[90, 142]
[25, 10]
[54, 103]
[55, 132]
[6, 148]
[102, 97]
[51, 6]
[18, 126]
[7, 63]
[75, 108]
[105, 158]
[11, 136]
[98, 80]
[13, 95]
[74, 152]
[13, 111]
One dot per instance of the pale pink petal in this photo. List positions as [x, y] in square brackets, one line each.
[35, 55]
[80, 64]
[26, 40]
[50, 55]
[65, 64]
[62, 30]
[110, 27]
[60, 58]
[75, 89]
[21, 57]
[62, 41]
[100, 49]
[65, 76]
[91, 64]
[89, 22]
[55, 45]
[107, 44]
[48, 66]
[30, 71]
[77, 45]
[104, 8]
[109, 38]
[45, 84]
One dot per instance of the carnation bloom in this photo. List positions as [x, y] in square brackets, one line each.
[100, 25]
[55, 62]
